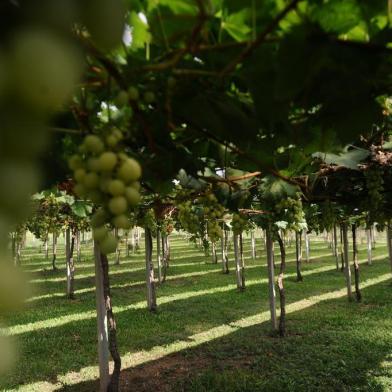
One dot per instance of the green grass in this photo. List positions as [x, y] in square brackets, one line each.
[207, 336]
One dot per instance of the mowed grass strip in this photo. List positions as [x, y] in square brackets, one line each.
[197, 298]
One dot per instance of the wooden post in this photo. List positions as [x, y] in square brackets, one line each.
[271, 279]
[237, 257]
[389, 241]
[307, 247]
[369, 246]
[67, 259]
[159, 259]
[335, 247]
[103, 339]
[298, 255]
[253, 244]
[150, 282]
[347, 270]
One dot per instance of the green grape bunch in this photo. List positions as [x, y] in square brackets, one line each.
[239, 223]
[188, 217]
[107, 176]
[213, 213]
[290, 210]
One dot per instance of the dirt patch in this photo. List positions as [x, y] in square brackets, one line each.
[162, 375]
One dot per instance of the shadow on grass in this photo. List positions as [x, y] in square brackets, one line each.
[329, 347]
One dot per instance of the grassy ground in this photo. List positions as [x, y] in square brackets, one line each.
[206, 336]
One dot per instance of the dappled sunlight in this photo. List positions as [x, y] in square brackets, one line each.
[62, 320]
[169, 277]
[133, 359]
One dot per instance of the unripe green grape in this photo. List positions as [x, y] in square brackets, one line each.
[93, 144]
[107, 161]
[130, 170]
[118, 205]
[91, 180]
[149, 97]
[79, 175]
[135, 185]
[121, 222]
[99, 218]
[108, 245]
[100, 233]
[111, 140]
[121, 99]
[116, 187]
[54, 66]
[132, 195]
[104, 20]
[133, 93]
[104, 183]
[75, 162]
[117, 133]
[93, 164]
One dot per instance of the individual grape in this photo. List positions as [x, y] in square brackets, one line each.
[107, 161]
[75, 162]
[108, 245]
[91, 180]
[104, 183]
[104, 20]
[133, 93]
[93, 164]
[129, 170]
[54, 67]
[132, 196]
[100, 233]
[121, 222]
[118, 205]
[121, 99]
[118, 135]
[79, 175]
[149, 97]
[99, 218]
[93, 144]
[135, 185]
[116, 187]
[111, 140]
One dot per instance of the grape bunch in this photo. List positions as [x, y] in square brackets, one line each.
[290, 210]
[375, 186]
[108, 177]
[188, 217]
[213, 214]
[167, 226]
[148, 220]
[239, 223]
[132, 96]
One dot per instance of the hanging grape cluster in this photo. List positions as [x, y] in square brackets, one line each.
[375, 186]
[213, 214]
[148, 220]
[108, 177]
[188, 217]
[290, 210]
[239, 223]
[167, 226]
